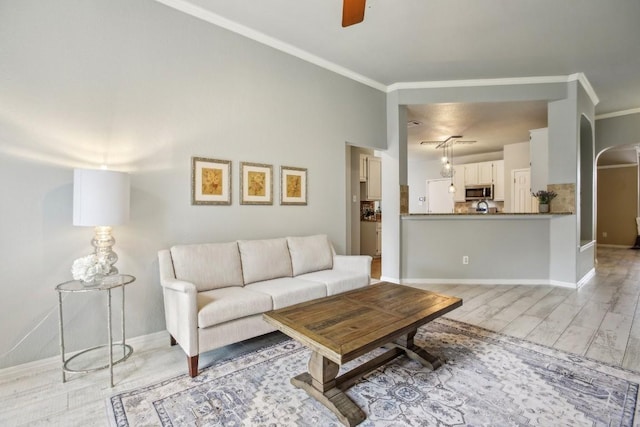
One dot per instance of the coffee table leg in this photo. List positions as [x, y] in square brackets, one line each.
[415, 352]
[320, 383]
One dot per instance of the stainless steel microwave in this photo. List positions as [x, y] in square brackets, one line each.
[478, 192]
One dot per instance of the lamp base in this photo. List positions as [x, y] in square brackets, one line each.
[103, 241]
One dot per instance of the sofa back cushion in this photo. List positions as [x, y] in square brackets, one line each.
[310, 253]
[264, 259]
[208, 266]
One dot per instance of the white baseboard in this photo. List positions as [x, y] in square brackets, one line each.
[139, 342]
[534, 282]
[563, 284]
[586, 278]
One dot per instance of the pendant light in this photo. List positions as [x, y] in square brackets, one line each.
[452, 188]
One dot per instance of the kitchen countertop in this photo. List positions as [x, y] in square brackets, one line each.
[497, 215]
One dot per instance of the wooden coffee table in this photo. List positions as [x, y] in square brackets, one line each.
[343, 327]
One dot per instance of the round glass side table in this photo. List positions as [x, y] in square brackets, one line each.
[122, 348]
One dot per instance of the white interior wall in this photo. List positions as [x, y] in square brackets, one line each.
[142, 88]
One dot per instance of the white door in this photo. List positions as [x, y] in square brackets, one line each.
[521, 200]
[439, 200]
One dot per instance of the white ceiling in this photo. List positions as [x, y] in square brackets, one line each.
[491, 125]
[436, 40]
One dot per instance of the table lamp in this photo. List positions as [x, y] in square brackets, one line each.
[101, 199]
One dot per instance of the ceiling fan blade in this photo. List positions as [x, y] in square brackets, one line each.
[352, 12]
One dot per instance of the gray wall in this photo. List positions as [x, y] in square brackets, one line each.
[142, 88]
[503, 250]
[616, 131]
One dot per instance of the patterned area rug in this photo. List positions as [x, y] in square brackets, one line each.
[489, 380]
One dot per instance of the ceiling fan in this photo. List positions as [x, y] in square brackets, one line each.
[352, 12]
[449, 141]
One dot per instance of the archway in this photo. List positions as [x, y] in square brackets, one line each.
[617, 196]
[586, 181]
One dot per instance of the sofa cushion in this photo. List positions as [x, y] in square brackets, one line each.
[208, 266]
[264, 259]
[222, 305]
[337, 281]
[310, 253]
[287, 291]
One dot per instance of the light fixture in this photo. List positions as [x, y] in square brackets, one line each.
[444, 159]
[447, 158]
[447, 170]
[101, 199]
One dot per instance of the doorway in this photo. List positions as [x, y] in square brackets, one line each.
[521, 200]
[617, 197]
[439, 199]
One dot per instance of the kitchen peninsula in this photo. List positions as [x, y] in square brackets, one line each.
[498, 248]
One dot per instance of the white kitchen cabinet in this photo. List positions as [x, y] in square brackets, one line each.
[471, 174]
[378, 238]
[374, 178]
[485, 173]
[539, 158]
[363, 168]
[498, 180]
[458, 182]
[368, 238]
[478, 173]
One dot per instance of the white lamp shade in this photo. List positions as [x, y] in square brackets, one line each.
[100, 197]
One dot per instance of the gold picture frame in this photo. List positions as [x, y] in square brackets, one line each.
[210, 181]
[256, 184]
[293, 186]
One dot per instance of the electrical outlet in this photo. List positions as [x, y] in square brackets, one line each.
[604, 234]
[465, 259]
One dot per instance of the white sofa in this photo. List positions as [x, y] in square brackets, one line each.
[215, 294]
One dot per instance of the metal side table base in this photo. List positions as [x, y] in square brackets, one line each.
[108, 283]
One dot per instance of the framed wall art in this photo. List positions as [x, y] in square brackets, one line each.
[256, 184]
[293, 186]
[210, 181]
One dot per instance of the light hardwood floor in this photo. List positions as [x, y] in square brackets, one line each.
[600, 321]
[376, 267]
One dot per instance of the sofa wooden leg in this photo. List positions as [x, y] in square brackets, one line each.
[173, 340]
[193, 365]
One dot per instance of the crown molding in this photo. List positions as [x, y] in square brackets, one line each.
[579, 77]
[618, 113]
[197, 12]
[189, 8]
[624, 165]
[586, 85]
[476, 82]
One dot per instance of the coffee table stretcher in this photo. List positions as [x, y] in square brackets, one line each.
[323, 384]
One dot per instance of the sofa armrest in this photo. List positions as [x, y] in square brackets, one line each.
[178, 286]
[355, 263]
[180, 305]
[181, 313]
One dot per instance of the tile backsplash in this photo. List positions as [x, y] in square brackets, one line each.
[465, 207]
[566, 199]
